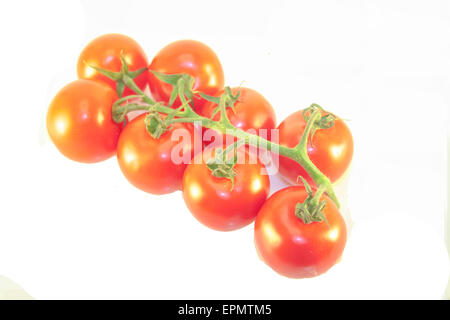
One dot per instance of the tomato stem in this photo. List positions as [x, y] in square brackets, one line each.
[183, 87]
[311, 209]
[303, 144]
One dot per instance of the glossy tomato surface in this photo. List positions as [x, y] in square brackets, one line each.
[331, 149]
[191, 57]
[214, 202]
[251, 111]
[155, 165]
[79, 121]
[105, 51]
[295, 249]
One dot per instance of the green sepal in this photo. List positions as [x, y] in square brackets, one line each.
[174, 80]
[221, 167]
[325, 122]
[120, 88]
[137, 73]
[155, 124]
[227, 96]
[310, 211]
[119, 77]
[207, 97]
[189, 82]
[306, 185]
[231, 99]
[173, 96]
[303, 212]
[167, 78]
[124, 68]
[115, 76]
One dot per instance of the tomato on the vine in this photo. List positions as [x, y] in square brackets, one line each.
[330, 150]
[251, 111]
[155, 165]
[105, 51]
[191, 57]
[290, 246]
[79, 121]
[219, 203]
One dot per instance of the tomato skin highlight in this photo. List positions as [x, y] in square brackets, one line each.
[104, 52]
[147, 162]
[251, 111]
[194, 58]
[80, 124]
[331, 150]
[295, 249]
[212, 202]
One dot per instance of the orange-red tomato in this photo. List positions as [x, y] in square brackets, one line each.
[105, 51]
[214, 202]
[331, 150]
[191, 57]
[251, 111]
[79, 121]
[155, 165]
[291, 247]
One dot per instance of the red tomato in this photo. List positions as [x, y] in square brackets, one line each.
[155, 165]
[331, 149]
[291, 247]
[214, 202]
[79, 121]
[191, 57]
[251, 111]
[105, 51]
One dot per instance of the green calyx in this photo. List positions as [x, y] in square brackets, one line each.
[324, 122]
[122, 78]
[155, 124]
[181, 83]
[227, 99]
[222, 170]
[311, 210]
[222, 166]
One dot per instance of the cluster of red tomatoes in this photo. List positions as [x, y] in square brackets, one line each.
[81, 126]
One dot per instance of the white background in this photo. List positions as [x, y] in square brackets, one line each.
[70, 230]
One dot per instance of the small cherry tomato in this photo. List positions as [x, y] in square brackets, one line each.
[191, 57]
[331, 150]
[155, 165]
[216, 202]
[79, 121]
[251, 111]
[104, 52]
[291, 247]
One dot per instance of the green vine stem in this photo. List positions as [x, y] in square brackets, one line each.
[298, 153]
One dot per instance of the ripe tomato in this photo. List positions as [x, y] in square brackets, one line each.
[105, 51]
[191, 57]
[155, 165]
[79, 121]
[251, 111]
[214, 202]
[291, 247]
[331, 149]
